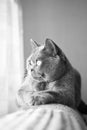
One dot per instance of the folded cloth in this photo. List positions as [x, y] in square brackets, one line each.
[44, 117]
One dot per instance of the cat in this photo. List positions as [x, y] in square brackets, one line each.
[50, 78]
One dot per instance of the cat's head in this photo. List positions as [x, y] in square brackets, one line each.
[47, 62]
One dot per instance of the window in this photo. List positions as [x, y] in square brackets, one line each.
[11, 53]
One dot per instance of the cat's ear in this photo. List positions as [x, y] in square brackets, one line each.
[50, 46]
[54, 49]
[34, 44]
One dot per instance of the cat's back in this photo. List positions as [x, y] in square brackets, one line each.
[77, 77]
[77, 87]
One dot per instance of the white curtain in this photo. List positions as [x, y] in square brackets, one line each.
[11, 53]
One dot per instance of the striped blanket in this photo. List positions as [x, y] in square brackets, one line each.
[45, 117]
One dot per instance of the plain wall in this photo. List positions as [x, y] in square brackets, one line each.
[65, 22]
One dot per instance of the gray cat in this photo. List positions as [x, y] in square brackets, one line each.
[50, 78]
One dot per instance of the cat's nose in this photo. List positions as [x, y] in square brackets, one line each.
[32, 70]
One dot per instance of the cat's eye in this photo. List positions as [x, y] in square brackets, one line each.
[38, 62]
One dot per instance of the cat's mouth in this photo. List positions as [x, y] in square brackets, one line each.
[38, 76]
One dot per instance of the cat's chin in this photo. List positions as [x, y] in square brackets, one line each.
[38, 78]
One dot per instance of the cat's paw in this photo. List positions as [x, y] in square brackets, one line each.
[38, 99]
[29, 99]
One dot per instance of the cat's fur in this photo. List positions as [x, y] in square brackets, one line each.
[50, 78]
